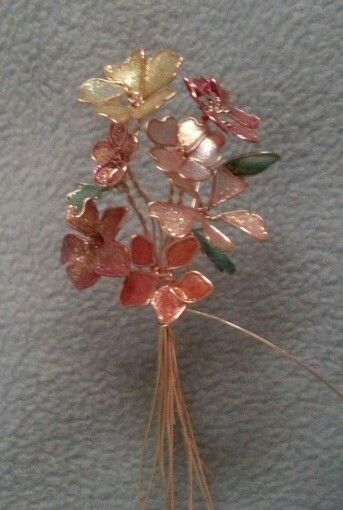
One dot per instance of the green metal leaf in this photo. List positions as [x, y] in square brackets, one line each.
[252, 163]
[216, 256]
[84, 192]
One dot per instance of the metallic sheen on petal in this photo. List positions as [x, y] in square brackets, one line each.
[112, 259]
[217, 238]
[195, 286]
[250, 223]
[97, 90]
[111, 222]
[142, 251]
[160, 70]
[207, 152]
[82, 275]
[227, 185]
[130, 73]
[167, 160]
[115, 109]
[163, 132]
[109, 175]
[191, 132]
[139, 287]
[73, 248]
[167, 304]
[103, 152]
[182, 252]
[152, 103]
[194, 171]
[175, 220]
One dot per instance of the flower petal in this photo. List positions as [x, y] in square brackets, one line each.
[160, 70]
[167, 160]
[250, 223]
[111, 222]
[112, 259]
[97, 90]
[194, 171]
[87, 222]
[138, 288]
[191, 132]
[82, 274]
[176, 220]
[167, 304]
[227, 185]
[153, 103]
[185, 184]
[130, 73]
[182, 252]
[73, 247]
[163, 132]
[103, 152]
[208, 151]
[251, 121]
[115, 109]
[142, 251]
[195, 286]
[217, 238]
[244, 133]
[109, 176]
[118, 133]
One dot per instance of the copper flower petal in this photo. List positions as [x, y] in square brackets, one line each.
[194, 171]
[227, 185]
[112, 259]
[176, 220]
[163, 132]
[111, 222]
[182, 252]
[82, 274]
[87, 222]
[103, 152]
[184, 184]
[195, 286]
[208, 151]
[244, 133]
[251, 121]
[118, 133]
[217, 238]
[109, 176]
[167, 160]
[142, 251]
[191, 132]
[167, 304]
[73, 247]
[128, 147]
[138, 288]
[250, 223]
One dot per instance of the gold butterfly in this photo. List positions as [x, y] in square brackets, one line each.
[135, 88]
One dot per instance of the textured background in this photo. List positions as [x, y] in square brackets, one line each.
[76, 372]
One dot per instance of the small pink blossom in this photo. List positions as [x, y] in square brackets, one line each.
[113, 155]
[216, 105]
[186, 149]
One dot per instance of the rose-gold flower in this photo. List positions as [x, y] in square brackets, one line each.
[179, 220]
[187, 149]
[216, 105]
[100, 254]
[113, 155]
[157, 286]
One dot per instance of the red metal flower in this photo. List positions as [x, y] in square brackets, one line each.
[113, 155]
[186, 149]
[100, 255]
[216, 105]
[157, 286]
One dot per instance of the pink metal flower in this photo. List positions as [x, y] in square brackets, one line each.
[100, 254]
[157, 286]
[113, 155]
[179, 220]
[187, 149]
[216, 105]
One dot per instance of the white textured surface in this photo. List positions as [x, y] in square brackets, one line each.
[76, 373]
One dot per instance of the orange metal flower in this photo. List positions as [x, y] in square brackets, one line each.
[100, 254]
[157, 286]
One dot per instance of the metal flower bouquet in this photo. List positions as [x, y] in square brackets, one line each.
[155, 264]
